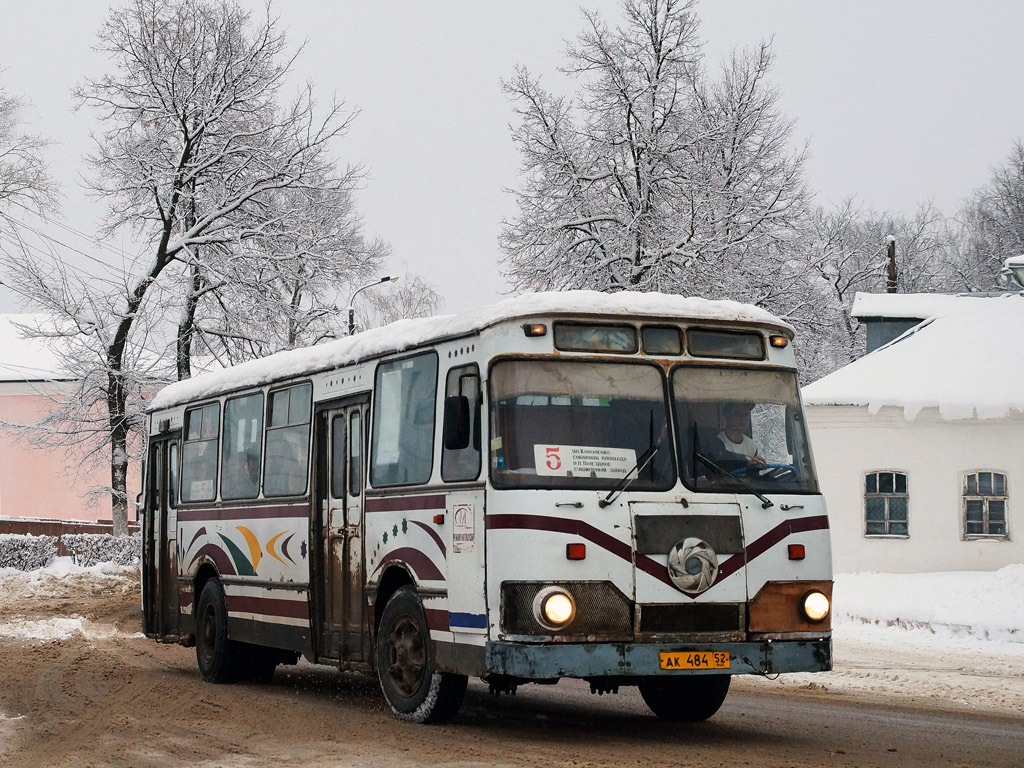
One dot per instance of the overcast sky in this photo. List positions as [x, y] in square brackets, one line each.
[902, 101]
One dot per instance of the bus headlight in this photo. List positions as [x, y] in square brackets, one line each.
[816, 606]
[554, 607]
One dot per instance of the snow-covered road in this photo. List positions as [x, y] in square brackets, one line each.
[941, 639]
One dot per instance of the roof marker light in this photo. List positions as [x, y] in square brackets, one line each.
[778, 341]
[535, 329]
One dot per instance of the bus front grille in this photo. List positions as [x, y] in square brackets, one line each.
[602, 611]
[693, 618]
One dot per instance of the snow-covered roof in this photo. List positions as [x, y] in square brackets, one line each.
[905, 305]
[26, 359]
[406, 334]
[966, 359]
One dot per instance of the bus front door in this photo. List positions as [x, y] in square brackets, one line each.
[160, 567]
[344, 636]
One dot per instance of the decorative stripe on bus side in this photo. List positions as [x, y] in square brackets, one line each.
[434, 535]
[406, 503]
[219, 557]
[644, 563]
[468, 620]
[243, 513]
[768, 540]
[268, 606]
[437, 620]
[445, 621]
[420, 563]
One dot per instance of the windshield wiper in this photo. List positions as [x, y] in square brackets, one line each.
[626, 481]
[765, 501]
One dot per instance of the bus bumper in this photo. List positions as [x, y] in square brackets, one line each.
[587, 660]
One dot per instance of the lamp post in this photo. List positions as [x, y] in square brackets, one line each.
[351, 302]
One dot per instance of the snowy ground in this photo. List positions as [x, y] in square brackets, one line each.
[942, 639]
[935, 638]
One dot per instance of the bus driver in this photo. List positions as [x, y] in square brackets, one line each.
[735, 438]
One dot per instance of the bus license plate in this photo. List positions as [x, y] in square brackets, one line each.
[695, 660]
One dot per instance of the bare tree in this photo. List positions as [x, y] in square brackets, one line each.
[24, 180]
[658, 176]
[78, 320]
[195, 148]
[283, 289]
[844, 251]
[409, 298]
[989, 228]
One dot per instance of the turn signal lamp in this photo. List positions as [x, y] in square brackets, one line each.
[778, 341]
[816, 606]
[535, 329]
[576, 551]
[554, 608]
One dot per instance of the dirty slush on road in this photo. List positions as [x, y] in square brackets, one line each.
[82, 687]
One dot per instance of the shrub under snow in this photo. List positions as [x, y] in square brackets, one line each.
[88, 549]
[27, 552]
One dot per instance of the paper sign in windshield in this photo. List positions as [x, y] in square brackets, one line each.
[583, 460]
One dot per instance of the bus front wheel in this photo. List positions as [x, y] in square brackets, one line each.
[689, 698]
[415, 690]
[216, 655]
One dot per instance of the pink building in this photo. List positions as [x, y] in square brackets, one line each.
[38, 483]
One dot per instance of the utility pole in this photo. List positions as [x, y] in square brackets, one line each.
[890, 269]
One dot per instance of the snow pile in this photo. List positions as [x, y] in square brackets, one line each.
[88, 549]
[944, 363]
[965, 605]
[26, 552]
[49, 630]
[60, 568]
[405, 334]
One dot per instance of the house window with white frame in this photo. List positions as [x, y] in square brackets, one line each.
[985, 500]
[886, 504]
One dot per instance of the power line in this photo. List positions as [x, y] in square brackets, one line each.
[98, 243]
[106, 265]
[52, 259]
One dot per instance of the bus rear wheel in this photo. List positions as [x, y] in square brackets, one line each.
[415, 690]
[216, 655]
[685, 699]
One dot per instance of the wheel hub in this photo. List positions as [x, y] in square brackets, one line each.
[407, 656]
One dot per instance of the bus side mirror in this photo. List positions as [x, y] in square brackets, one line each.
[456, 422]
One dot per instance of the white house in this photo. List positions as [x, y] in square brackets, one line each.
[919, 444]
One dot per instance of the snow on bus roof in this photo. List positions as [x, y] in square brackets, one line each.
[966, 359]
[406, 334]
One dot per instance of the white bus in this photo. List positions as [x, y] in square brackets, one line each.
[615, 488]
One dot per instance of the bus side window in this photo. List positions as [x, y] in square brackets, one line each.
[199, 453]
[172, 461]
[243, 444]
[286, 467]
[460, 457]
[402, 444]
[355, 454]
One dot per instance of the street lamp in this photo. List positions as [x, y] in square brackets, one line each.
[351, 302]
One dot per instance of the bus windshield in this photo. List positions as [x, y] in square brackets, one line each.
[737, 424]
[572, 424]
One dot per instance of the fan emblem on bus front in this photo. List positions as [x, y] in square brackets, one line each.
[692, 565]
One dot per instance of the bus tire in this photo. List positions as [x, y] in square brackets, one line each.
[685, 699]
[261, 664]
[216, 655]
[413, 687]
